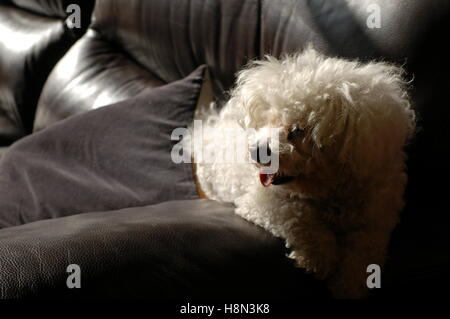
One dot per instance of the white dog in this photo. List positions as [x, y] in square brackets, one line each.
[337, 194]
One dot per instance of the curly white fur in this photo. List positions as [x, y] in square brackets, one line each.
[351, 123]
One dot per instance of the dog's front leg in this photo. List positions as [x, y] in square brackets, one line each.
[314, 245]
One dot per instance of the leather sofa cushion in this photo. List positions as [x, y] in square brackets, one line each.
[30, 46]
[94, 73]
[191, 249]
[171, 37]
[149, 43]
[340, 27]
[57, 8]
[176, 249]
[110, 158]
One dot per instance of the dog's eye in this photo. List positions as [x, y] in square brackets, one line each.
[295, 133]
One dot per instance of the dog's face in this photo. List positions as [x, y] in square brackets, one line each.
[304, 166]
[336, 120]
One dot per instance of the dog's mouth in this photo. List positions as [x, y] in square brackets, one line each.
[274, 179]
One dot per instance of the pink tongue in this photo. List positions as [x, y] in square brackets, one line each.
[266, 179]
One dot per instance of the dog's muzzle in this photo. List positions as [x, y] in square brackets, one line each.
[261, 154]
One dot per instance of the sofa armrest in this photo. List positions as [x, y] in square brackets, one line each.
[178, 249]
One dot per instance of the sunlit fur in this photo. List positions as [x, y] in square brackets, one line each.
[355, 119]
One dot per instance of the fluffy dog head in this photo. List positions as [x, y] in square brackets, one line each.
[337, 119]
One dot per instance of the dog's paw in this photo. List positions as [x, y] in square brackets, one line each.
[322, 265]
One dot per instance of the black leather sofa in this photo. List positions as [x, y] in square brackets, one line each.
[34, 36]
[199, 248]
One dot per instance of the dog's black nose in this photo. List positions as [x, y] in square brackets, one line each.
[260, 154]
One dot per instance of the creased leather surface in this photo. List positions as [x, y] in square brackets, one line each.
[57, 8]
[340, 27]
[178, 249]
[148, 43]
[25, 38]
[170, 38]
[92, 74]
[30, 45]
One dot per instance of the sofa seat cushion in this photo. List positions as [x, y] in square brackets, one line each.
[110, 158]
[177, 249]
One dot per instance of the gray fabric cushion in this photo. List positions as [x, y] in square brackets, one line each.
[114, 157]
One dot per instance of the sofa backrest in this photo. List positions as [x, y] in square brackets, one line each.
[34, 35]
[135, 44]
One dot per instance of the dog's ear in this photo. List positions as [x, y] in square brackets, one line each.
[378, 117]
[249, 95]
